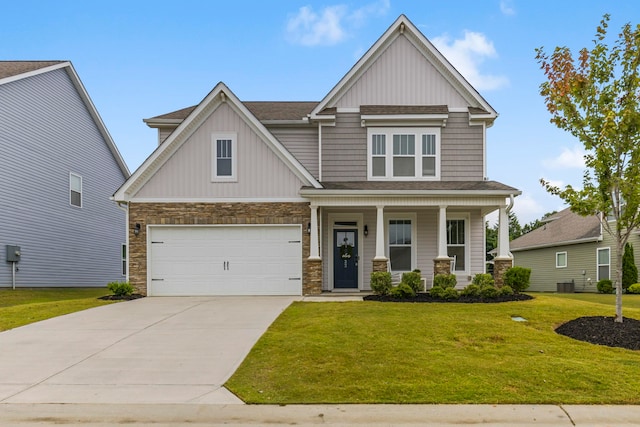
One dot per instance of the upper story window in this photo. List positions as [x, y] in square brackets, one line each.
[224, 157]
[75, 190]
[403, 153]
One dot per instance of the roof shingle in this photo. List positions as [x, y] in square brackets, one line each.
[14, 68]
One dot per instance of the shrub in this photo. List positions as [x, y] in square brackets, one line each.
[471, 290]
[517, 278]
[629, 269]
[505, 290]
[483, 279]
[402, 291]
[605, 286]
[120, 288]
[381, 282]
[634, 289]
[437, 291]
[489, 292]
[445, 280]
[413, 280]
[450, 293]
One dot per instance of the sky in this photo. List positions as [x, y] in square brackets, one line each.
[138, 59]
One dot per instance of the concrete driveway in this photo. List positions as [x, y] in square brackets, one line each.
[150, 350]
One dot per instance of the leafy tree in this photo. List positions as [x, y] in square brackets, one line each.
[629, 269]
[537, 223]
[596, 98]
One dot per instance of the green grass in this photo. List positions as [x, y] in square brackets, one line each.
[628, 300]
[22, 306]
[368, 352]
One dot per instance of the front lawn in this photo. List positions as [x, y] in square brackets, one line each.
[371, 352]
[27, 305]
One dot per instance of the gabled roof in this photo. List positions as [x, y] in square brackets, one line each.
[11, 71]
[198, 115]
[564, 228]
[401, 26]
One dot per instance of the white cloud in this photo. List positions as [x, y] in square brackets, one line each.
[332, 24]
[467, 54]
[506, 7]
[527, 209]
[568, 158]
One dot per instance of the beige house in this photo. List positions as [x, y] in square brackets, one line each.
[570, 253]
[386, 172]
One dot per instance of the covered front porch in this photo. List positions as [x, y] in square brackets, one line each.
[354, 234]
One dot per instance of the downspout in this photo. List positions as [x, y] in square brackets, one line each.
[320, 151]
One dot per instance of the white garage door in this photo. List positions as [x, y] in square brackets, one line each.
[225, 260]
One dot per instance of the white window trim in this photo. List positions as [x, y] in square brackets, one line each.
[598, 265]
[413, 217]
[566, 260]
[70, 189]
[467, 242]
[389, 132]
[234, 157]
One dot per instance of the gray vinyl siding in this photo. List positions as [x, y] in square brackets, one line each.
[187, 174]
[302, 143]
[163, 133]
[46, 132]
[402, 75]
[344, 149]
[462, 150]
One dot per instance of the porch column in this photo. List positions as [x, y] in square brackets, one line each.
[380, 235]
[503, 233]
[442, 262]
[314, 250]
[503, 261]
[442, 233]
[380, 260]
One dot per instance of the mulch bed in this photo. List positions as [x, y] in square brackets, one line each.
[121, 297]
[604, 331]
[425, 297]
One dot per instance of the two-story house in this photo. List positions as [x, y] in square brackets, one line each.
[386, 172]
[59, 166]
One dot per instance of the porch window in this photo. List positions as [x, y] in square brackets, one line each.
[456, 243]
[413, 153]
[400, 245]
[604, 262]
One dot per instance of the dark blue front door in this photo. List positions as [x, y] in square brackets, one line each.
[345, 259]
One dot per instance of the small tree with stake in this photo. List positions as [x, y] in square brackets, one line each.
[597, 98]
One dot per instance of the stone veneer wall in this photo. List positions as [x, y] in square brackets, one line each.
[216, 213]
[500, 266]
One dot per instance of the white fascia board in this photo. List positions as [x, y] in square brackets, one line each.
[102, 128]
[158, 123]
[439, 120]
[556, 244]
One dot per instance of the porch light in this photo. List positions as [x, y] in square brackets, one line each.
[136, 229]
[366, 230]
[308, 228]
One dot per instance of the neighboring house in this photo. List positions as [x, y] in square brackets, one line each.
[569, 248]
[388, 170]
[59, 167]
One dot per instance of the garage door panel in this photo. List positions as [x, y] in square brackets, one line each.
[225, 260]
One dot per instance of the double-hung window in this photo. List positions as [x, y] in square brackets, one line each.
[457, 243]
[400, 244]
[604, 263]
[75, 190]
[403, 153]
[561, 259]
[224, 157]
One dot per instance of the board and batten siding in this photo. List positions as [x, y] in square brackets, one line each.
[302, 143]
[344, 149]
[46, 132]
[401, 76]
[462, 150]
[187, 174]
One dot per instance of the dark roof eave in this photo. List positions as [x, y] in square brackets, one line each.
[556, 244]
[311, 192]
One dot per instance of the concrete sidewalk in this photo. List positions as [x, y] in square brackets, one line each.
[314, 415]
[151, 350]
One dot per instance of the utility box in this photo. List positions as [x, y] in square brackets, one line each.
[13, 253]
[566, 287]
